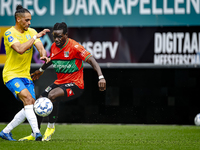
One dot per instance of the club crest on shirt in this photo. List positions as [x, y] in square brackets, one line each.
[28, 36]
[66, 53]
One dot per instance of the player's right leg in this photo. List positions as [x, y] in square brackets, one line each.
[66, 92]
[24, 90]
[53, 116]
[28, 101]
[39, 118]
[50, 127]
[31, 137]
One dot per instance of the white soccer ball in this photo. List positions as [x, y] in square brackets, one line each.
[197, 120]
[43, 106]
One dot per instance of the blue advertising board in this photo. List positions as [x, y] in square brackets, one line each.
[105, 13]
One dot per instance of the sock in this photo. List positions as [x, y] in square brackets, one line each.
[39, 119]
[52, 118]
[18, 119]
[31, 117]
[54, 114]
[50, 125]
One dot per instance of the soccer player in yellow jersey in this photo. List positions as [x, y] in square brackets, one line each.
[19, 41]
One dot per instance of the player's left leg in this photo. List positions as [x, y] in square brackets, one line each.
[54, 94]
[51, 124]
[65, 92]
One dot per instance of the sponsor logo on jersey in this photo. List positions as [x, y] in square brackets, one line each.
[28, 50]
[61, 66]
[69, 84]
[7, 33]
[10, 38]
[83, 53]
[19, 38]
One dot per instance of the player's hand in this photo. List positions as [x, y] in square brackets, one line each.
[46, 59]
[102, 84]
[43, 32]
[36, 74]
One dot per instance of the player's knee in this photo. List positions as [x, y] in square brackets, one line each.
[27, 99]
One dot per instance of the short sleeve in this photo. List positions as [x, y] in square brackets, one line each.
[10, 38]
[82, 53]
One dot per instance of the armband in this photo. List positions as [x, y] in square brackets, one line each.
[101, 77]
[41, 70]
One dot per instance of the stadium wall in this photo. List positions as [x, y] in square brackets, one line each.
[138, 95]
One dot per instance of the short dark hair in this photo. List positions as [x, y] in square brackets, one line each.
[61, 26]
[19, 10]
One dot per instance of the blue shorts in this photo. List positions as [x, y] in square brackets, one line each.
[16, 85]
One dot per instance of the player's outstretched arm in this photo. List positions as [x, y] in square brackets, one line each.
[40, 71]
[96, 67]
[42, 51]
[21, 48]
[40, 47]
[43, 32]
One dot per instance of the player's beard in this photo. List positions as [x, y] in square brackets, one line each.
[26, 28]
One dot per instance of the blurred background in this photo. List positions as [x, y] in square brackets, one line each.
[149, 52]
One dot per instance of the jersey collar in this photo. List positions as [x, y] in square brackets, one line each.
[65, 44]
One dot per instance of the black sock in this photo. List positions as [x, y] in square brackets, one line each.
[39, 119]
[54, 114]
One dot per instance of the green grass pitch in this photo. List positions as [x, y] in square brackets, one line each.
[109, 137]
